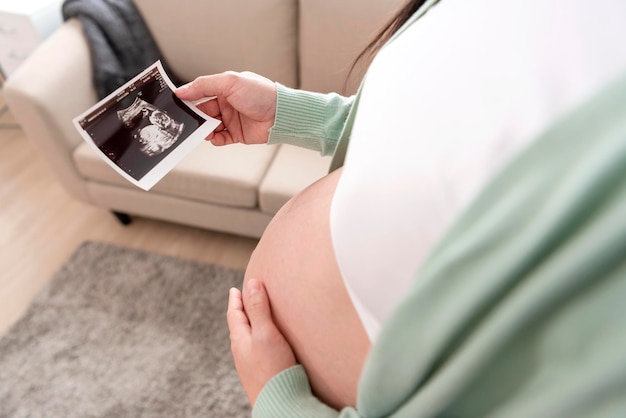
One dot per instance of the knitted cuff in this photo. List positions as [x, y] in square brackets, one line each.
[307, 119]
[288, 395]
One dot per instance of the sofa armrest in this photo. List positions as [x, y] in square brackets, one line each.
[47, 91]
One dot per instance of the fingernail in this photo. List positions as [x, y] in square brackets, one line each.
[253, 286]
[182, 89]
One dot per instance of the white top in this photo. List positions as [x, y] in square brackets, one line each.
[444, 107]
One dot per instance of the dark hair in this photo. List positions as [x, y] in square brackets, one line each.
[386, 32]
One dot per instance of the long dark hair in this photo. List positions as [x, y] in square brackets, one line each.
[386, 32]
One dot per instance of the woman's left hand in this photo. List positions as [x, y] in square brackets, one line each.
[259, 349]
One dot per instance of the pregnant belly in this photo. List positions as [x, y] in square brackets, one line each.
[310, 304]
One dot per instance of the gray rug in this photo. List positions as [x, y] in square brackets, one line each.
[124, 333]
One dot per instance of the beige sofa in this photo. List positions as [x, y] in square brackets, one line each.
[309, 44]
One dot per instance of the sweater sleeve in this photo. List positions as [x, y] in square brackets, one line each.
[289, 395]
[310, 120]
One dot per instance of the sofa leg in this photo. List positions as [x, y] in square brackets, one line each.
[124, 218]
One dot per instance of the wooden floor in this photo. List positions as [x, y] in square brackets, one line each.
[41, 225]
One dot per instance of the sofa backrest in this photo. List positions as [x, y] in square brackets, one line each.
[309, 44]
[332, 34]
[211, 36]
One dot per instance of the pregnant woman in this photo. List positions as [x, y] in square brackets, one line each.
[464, 256]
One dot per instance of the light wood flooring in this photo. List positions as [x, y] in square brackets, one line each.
[41, 225]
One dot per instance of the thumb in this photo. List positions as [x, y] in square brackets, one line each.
[205, 86]
[257, 305]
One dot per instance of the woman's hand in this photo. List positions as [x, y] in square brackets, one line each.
[245, 103]
[259, 349]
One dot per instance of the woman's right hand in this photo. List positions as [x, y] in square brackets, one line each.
[245, 103]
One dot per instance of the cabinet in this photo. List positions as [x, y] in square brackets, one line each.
[24, 25]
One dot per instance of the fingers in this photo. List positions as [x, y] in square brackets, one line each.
[221, 138]
[235, 315]
[210, 107]
[257, 305]
[220, 109]
[250, 312]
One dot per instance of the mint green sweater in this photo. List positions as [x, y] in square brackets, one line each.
[520, 311]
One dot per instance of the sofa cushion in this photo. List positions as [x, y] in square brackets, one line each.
[228, 175]
[292, 170]
[206, 37]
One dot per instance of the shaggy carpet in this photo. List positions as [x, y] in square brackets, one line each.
[124, 333]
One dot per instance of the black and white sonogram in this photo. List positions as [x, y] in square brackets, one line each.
[143, 129]
[153, 128]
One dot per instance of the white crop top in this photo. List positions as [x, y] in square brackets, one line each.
[444, 107]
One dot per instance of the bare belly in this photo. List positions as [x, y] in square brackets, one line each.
[310, 304]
